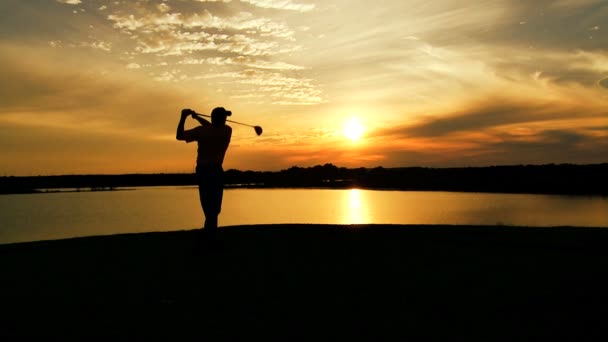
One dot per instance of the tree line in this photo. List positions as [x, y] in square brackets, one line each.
[542, 179]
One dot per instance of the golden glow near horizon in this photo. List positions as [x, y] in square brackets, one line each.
[96, 86]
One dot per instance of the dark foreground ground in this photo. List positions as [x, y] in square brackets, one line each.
[311, 282]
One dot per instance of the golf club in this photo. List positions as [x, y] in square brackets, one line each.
[258, 129]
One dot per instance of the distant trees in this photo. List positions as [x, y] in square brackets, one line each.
[548, 179]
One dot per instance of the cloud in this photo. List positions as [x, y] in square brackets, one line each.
[96, 44]
[565, 146]
[281, 4]
[154, 22]
[242, 61]
[99, 45]
[553, 146]
[273, 4]
[500, 130]
[579, 67]
[495, 113]
[236, 41]
[128, 22]
[575, 3]
[163, 7]
[560, 41]
[69, 2]
[273, 87]
[169, 34]
[482, 148]
[550, 25]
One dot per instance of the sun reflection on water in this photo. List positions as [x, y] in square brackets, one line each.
[355, 209]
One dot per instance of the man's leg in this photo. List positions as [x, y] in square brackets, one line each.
[210, 223]
[205, 194]
[211, 190]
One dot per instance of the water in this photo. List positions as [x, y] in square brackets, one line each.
[69, 214]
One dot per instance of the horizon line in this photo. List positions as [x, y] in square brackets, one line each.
[311, 167]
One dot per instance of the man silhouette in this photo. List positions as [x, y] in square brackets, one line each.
[213, 139]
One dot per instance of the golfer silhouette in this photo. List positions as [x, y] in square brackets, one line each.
[213, 139]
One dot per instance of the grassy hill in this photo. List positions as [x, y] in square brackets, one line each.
[310, 282]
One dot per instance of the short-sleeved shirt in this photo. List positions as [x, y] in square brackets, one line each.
[212, 141]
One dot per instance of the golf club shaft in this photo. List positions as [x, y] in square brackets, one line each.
[240, 123]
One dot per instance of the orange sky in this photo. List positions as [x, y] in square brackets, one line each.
[95, 86]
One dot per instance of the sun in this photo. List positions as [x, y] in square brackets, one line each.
[353, 129]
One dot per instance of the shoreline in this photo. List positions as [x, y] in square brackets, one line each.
[358, 282]
[427, 229]
[349, 228]
[39, 191]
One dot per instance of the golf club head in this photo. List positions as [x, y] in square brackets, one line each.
[258, 130]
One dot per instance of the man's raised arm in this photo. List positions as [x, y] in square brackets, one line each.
[200, 119]
[179, 135]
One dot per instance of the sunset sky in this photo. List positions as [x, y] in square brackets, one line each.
[96, 86]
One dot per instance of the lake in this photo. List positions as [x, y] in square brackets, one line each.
[69, 214]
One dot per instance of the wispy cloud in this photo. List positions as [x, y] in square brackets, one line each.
[175, 28]
[273, 87]
[272, 4]
[281, 4]
[69, 2]
[237, 42]
[244, 61]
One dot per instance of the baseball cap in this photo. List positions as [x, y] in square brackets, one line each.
[221, 111]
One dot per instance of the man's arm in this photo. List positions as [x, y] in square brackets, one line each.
[200, 119]
[179, 135]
